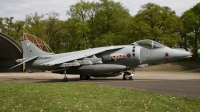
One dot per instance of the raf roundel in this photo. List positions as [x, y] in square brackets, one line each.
[128, 55]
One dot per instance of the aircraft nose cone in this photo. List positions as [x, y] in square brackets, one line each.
[180, 54]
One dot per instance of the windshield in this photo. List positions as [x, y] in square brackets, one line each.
[150, 44]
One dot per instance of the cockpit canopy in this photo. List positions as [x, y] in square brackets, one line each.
[149, 44]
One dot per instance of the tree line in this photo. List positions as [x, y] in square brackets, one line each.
[103, 23]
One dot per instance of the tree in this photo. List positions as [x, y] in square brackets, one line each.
[157, 23]
[73, 39]
[45, 27]
[109, 23]
[191, 20]
[35, 25]
[1, 24]
[52, 26]
[99, 24]
[84, 12]
[18, 30]
[8, 26]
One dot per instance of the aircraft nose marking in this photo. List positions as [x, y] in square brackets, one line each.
[192, 54]
[167, 55]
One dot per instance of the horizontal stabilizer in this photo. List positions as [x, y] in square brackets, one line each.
[24, 61]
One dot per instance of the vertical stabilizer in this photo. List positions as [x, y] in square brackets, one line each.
[30, 49]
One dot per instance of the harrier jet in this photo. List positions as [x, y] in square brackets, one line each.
[107, 61]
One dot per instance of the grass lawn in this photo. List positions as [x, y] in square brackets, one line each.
[59, 97]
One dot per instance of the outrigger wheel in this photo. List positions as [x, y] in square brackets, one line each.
[127, 76]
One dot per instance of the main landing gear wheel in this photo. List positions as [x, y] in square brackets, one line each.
[84, 77]
[127, 76]
[65, 79]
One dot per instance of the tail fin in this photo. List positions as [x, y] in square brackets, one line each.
[30, 49]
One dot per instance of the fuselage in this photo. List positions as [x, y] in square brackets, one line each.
[98, 62]
[141, 52]
[128, 60]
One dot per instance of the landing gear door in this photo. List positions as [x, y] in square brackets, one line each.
[144, 55]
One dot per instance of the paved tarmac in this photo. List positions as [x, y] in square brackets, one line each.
[171, 83]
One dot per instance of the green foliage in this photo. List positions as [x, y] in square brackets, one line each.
[98, 23]
[106, 22]
[18, 30]
[110, 21]
[34, 24]
[156, 23]
[52, 26]
[191, 20]
[7, 29]
[59, 97]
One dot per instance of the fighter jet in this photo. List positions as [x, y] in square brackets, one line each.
[106, 61]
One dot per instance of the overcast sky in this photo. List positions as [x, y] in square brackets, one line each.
[20, 8]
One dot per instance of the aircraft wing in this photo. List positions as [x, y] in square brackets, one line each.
[28, 59]
[80, 54]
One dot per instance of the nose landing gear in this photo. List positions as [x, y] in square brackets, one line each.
[128, 75]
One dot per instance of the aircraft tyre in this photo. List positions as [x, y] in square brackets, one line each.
[84, 77]
[127, 76]
[65, 79]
